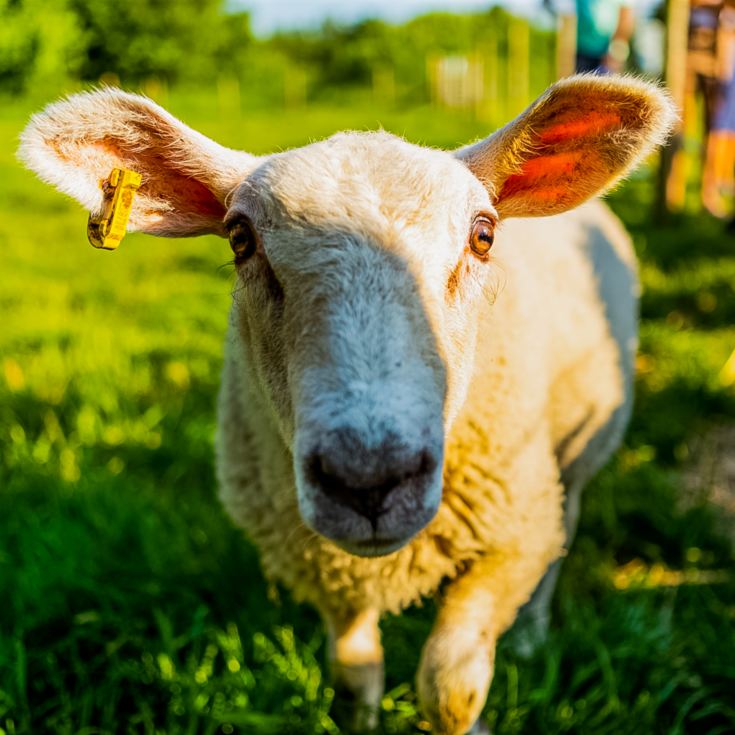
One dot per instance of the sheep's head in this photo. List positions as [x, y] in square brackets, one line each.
[361, 263]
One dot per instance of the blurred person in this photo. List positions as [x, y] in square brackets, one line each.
[710, 61]
[718, 174]
[704, 67]
[604, 30]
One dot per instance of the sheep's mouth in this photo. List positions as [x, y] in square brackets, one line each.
[373, 546]
[395, 527]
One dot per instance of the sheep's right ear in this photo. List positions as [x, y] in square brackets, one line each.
[580, 137]
[74, 144]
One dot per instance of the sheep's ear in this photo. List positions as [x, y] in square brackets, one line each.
[577, 140]
[74, 144]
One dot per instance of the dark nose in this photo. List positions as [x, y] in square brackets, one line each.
[362, 478]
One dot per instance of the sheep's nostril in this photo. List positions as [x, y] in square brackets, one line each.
[363, 481]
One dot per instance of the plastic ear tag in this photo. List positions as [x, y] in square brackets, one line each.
[106, 230]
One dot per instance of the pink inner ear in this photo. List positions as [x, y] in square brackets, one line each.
[551, 165]
[191, 195]
[566, 164]
[593, 123]
[545, 174]
[165, 187]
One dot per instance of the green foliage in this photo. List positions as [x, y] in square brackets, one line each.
[131, 605]
[46, 43]
[340, 56]
[41, 44]
[145, 38]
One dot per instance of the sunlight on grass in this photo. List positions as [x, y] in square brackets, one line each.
[727, 374]
[637, 573]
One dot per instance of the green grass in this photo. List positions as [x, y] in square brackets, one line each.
[129, 603]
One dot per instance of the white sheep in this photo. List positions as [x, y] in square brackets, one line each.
[404, 402]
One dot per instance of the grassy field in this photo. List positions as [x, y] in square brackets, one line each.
[129, 603]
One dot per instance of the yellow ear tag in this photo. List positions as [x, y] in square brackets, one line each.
[107, 229]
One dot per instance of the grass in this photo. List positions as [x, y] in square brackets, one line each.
[131, 605]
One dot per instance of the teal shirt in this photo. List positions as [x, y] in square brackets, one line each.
[597, 20]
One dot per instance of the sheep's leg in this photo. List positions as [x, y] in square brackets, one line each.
[536, 615]
[356, 656]
[479, 728]
[534, 619]
[458, 659]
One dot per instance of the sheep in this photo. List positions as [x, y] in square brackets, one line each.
[421, 374]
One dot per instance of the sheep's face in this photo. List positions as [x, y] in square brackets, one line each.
[357, 289]
[360, 264]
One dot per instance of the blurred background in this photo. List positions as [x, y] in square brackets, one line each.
[128, 602]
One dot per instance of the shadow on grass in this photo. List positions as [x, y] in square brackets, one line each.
[665, 418]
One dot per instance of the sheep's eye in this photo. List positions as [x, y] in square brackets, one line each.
[482, 236]
[243, 240]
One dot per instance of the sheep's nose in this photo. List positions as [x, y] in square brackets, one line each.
[362, 478]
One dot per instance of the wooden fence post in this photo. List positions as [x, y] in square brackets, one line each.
[566, 45]
[295, 88]
[493, 111]
[228, 96]
[672, 169]
[519, 48]
[384, 85]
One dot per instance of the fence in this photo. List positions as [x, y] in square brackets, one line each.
[498, 80]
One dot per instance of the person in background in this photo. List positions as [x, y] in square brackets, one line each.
[718, 173]
[604, 30]
[710, 57]
[703, 57]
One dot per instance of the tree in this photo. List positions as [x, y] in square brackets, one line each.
[135, 40]
[40, 43]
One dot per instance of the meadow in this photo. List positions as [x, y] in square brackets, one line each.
[130, 604]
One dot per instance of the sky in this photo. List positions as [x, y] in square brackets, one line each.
[268, 15]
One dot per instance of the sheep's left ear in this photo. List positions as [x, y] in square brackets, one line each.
[75, 143]
[577, 140]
